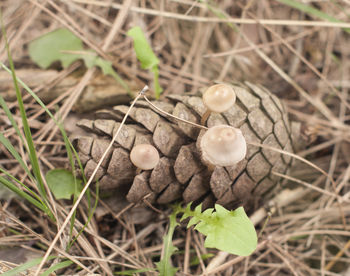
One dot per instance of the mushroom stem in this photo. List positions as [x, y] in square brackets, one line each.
[210, 167]
[205, 117]
[138, 171]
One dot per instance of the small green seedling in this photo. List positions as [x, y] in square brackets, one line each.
[62, 45]
[229, 231]
[146, 56]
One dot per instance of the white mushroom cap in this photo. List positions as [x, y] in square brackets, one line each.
[144, 156]
[219, 98]
[223, 146]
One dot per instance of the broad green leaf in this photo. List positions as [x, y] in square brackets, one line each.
[146, 56]
[53, 47]
[64, 46]
[62, 183]
[229, 231]
[142, 48]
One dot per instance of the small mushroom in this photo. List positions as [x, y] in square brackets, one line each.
[218, 98]
[144, 157]
[223, 146]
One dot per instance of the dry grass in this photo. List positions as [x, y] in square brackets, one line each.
[301, 59]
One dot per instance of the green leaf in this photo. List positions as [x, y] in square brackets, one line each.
[62, 183]
[233, 232]
[64, 46]
[146, 56]
[164, 265]
[134, 271]
[51, 47]
[229, 231]
[27, 132]
[25, 266]
[195, 260]
[56, 267]
[142, 48]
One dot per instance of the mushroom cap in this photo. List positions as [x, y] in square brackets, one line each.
[223, 146]
[219, 98]
[144, 156]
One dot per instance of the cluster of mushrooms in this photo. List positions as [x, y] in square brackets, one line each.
[220, 145]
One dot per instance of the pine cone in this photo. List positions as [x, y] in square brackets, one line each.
[180, 172]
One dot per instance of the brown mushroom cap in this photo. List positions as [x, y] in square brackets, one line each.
[223, 146]
[144, 156]
[219, 98]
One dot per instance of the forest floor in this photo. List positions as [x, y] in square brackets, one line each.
[300, 53]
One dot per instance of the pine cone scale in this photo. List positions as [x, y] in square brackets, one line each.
[181, 173]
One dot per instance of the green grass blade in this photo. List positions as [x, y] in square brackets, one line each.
[15, 154]
[12, 120]
[37, 99]
[24, 267]
[22, 194]
[56, 267]
[91, 212]
[311, 11]
[27, 133]
[134, 271]
[23, 185]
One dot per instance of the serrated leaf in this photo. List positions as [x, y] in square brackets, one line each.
[192, 221]
[184, 216]
[232, 232]
[62, 183]
[208, 212]
[51, 47]
[186, 211]
[165, 269]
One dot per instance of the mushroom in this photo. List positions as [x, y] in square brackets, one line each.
[218, 98]
[144, 157]
[223, 145]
